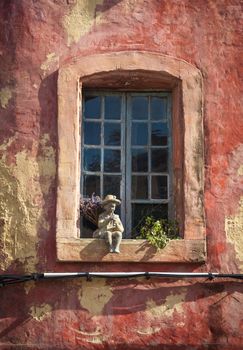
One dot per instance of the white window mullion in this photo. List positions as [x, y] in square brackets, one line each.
[102, 148]
[123, 162]
[128, 209]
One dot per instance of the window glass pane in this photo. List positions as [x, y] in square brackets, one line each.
[159, 160]
[158, 108]
[141, 211]
[112, 134]
[139, 160]
[139, 187]
[91, 185]
[92, 133]
[159, 187]
[159, 134]
[112, 185]
[139, 134]
[92, 159]
[92, 107]
[112, 107]
[139, 107]
[112, 160]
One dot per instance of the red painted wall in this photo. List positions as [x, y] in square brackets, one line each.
[37, 37]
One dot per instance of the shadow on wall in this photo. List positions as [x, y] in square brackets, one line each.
[127, 296]
[47, 163]
[107, 4]
[62, 296]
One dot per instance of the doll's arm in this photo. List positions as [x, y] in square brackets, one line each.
[103, 221]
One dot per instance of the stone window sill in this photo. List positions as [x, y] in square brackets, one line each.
[95, 250]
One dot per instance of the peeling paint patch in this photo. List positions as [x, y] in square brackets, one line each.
[234, 232]
[95, 340]
[40, 312]
[81, 18]
[172, 303]
[16, 240]
[4, 146]
[94, 296]
[51, 60]
[28, 286]
[22, 190]
[148, 331]
[5, 96]
[240, 171]
[90, 334]
[96, 337]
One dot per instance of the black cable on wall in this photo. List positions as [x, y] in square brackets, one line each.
[12, 279]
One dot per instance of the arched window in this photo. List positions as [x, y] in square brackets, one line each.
[131, 123]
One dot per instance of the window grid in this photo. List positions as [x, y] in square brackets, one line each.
[125, 148]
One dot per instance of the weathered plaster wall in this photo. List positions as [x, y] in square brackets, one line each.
[37, 37]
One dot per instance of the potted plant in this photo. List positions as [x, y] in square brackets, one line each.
[159, 232]
[90, 208]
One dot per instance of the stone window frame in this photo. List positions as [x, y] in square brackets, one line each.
[185, 82]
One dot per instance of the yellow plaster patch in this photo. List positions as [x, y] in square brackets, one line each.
[4, 146]
[5, 96]
[28, 286]
[15, 220]
[95, 340]
[96, 337]
[51, 59]
[172, 303]
[81, 18]
[40, 312]
[22, 190]
[240, 171]
[90, 334]
[148, 331]
[93, 296]
[234, 232]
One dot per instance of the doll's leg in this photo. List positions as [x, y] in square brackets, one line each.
[118, 236]
[109, 240]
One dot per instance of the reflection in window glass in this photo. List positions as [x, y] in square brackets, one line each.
[112, 107]
[112, 133]
[92, 107]
[92, 159]
[112, 161]
[139, 187]
[91, 185]
[139, 107]
[159, 187]
[139, 160]
[139, 134]
[158, 108]
[159, 133]
[92, 133]
[112, 184]
[159, 160]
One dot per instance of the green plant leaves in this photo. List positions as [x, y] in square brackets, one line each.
[159, 232]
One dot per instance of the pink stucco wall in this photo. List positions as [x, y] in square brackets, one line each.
[38, 37]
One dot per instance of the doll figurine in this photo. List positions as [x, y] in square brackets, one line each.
[109, 224]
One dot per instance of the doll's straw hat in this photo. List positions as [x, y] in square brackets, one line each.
[110, 199]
